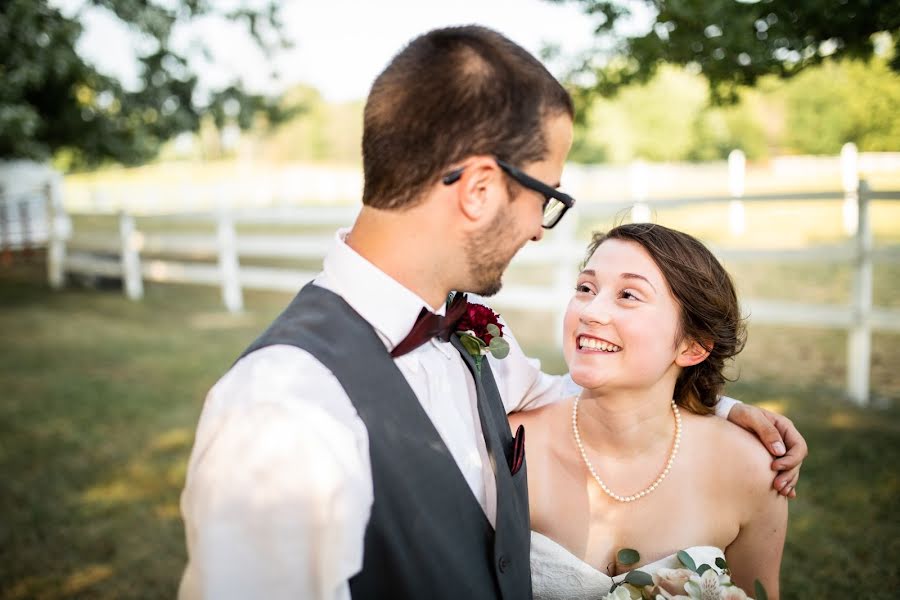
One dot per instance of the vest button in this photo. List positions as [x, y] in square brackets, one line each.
[503, 563]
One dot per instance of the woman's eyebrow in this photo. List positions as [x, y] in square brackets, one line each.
[636, 276]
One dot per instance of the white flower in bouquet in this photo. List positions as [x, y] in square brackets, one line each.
[669, 583]
[707, 586]
[732, 592]
[699, 583]
[619, 593]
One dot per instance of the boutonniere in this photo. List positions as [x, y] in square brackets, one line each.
[481, 333]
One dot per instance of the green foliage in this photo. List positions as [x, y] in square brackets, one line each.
[53, 102]
[687, 561]
[628, 556]
[732, 43]
[670, 118]
[638, 578]
[850, 101]
[320, 131]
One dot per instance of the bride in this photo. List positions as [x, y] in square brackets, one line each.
[635, 461]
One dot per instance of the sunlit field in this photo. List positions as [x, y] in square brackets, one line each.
[101, 396]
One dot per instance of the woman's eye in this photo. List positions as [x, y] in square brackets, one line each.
[628, 295]
[582, 288]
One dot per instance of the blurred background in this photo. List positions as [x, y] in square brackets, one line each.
[172, 171]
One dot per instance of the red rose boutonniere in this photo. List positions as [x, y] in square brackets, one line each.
[481, 333]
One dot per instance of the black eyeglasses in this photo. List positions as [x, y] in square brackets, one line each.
[556, 203]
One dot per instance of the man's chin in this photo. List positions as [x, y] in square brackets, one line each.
[488, 290]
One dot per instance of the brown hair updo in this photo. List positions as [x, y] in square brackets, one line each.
[710, 313]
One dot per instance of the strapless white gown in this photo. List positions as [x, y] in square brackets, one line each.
[557, 574]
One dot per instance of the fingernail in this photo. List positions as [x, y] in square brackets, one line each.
[778, 447]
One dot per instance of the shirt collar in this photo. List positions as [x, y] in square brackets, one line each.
[381, 300]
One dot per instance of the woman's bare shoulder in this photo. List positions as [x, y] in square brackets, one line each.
[743, 462]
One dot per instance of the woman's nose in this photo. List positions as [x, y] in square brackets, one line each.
[596, 312]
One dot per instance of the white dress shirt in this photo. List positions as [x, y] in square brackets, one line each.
[279, 483]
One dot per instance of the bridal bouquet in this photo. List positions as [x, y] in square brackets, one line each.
[704, 582]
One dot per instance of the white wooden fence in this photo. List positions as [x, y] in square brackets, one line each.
[138, 255]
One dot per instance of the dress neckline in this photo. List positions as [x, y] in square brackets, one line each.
[662, 562]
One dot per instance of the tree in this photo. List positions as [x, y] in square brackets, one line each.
[52, 101]
[732, 42]
[840, 102]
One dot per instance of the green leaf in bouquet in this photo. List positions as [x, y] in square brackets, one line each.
[493, 330]
[499, 347]
[628, 556]
[759, 592]
[703, 569]
[472, 345]
[687, 561]
[638, 578]
[720, 562]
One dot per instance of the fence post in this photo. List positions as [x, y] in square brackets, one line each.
[229, 267]
[850, 179]
[859, 341]
[737, 167]
[640, 210]
[131, 259]
[60, 230]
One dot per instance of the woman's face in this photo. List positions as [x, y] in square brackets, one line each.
[620, 327]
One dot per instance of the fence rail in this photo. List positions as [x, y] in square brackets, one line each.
[212, 255]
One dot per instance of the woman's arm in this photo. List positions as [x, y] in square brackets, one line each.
[757, 550]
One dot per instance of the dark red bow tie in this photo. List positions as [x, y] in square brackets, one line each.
[429, 325]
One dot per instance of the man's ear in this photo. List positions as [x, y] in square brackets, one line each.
[692, 352]
[477, 186]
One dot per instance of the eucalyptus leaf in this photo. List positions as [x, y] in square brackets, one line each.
[638, 578]
[687, 561]
[703, 569]
[628, 556]
[759, 591]
[720, 562]
[471, 345]
[499, 347]
[493, 330]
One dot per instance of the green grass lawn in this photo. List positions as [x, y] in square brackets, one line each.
[100, 397]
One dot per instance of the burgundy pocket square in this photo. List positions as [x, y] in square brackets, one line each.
[518, 453]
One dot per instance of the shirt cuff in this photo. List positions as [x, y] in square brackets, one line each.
[724, 406]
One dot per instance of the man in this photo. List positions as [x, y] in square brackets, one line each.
[341, 456]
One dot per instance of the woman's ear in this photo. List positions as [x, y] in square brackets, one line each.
[692, 352]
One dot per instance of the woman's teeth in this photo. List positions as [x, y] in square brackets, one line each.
[595, 344]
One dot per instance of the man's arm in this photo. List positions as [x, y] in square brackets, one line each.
[279, 487]
[782, 439]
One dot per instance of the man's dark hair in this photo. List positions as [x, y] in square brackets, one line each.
[453, 93]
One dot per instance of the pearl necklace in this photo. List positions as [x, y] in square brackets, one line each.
[653, 485]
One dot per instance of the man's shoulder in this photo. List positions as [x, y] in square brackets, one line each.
[276, 370]
[279, 379]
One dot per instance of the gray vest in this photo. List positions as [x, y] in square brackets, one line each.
[427, 536]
